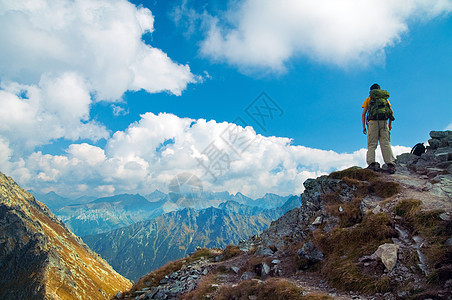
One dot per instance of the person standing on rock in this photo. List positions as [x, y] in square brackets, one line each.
[379, 124]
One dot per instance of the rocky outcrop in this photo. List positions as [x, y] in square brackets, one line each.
[171, 286]
[399, 221]
[436, 161]
[41, 259]
[296, 224]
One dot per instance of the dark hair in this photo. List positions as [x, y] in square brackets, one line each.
[375, 86]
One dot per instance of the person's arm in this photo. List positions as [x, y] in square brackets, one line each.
[391, 118]
[363, 117]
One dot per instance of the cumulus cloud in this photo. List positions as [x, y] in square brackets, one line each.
[37, 114]
[266, 34]
[151, 152]
[58, 57]
[99, 40]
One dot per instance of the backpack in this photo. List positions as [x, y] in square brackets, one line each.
[379, 108]
[418, 149]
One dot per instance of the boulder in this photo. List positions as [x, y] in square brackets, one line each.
[388, 255]
[439, 134]
[310, 252]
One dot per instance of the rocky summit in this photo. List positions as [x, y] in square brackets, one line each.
[358, 234]
[41, 259]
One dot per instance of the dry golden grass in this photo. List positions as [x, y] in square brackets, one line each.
[350, 214]
[317, 296]
[434, 231]
[344, 246]
[384, 189]
[231, 251]
[271, 289]
[367, 182]
[354, 173]
[203, 289]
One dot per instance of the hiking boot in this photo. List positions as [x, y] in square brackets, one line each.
[391, 169]
[374, 166]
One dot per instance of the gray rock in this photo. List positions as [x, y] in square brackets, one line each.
[388, 255]
[445, 216]
[161, 294]
[443, 156]
[317, 221]
[248, 275]
[405, 158]
[440, 134]
[310, 252]
[376, 210]
[449, 242]
[264, 251]
[235, 269]
[434, 143]
[265, 269]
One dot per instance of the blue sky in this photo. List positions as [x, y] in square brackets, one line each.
[106, 97]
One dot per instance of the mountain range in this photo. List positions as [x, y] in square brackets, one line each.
[136, 249]
[87, 216]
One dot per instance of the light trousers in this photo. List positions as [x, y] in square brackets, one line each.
[378, 131]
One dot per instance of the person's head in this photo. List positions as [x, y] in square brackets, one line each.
[375, 86]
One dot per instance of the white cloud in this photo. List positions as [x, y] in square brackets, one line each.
[58, 57]
[99, 40]
[266, 34]
[119, 110]
[84, 152]
[151, 152]
[37, 114]
[449, 127]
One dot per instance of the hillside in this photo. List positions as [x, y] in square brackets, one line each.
[41, 259]
[357, 235]
[144, 246]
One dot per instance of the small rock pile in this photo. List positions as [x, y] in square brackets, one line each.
[174, 285]
[437, 160]
[435, 164]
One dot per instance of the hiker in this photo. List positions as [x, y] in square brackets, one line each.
[379, 122]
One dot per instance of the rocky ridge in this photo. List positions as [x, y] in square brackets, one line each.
[357, 235]
[41, 259]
